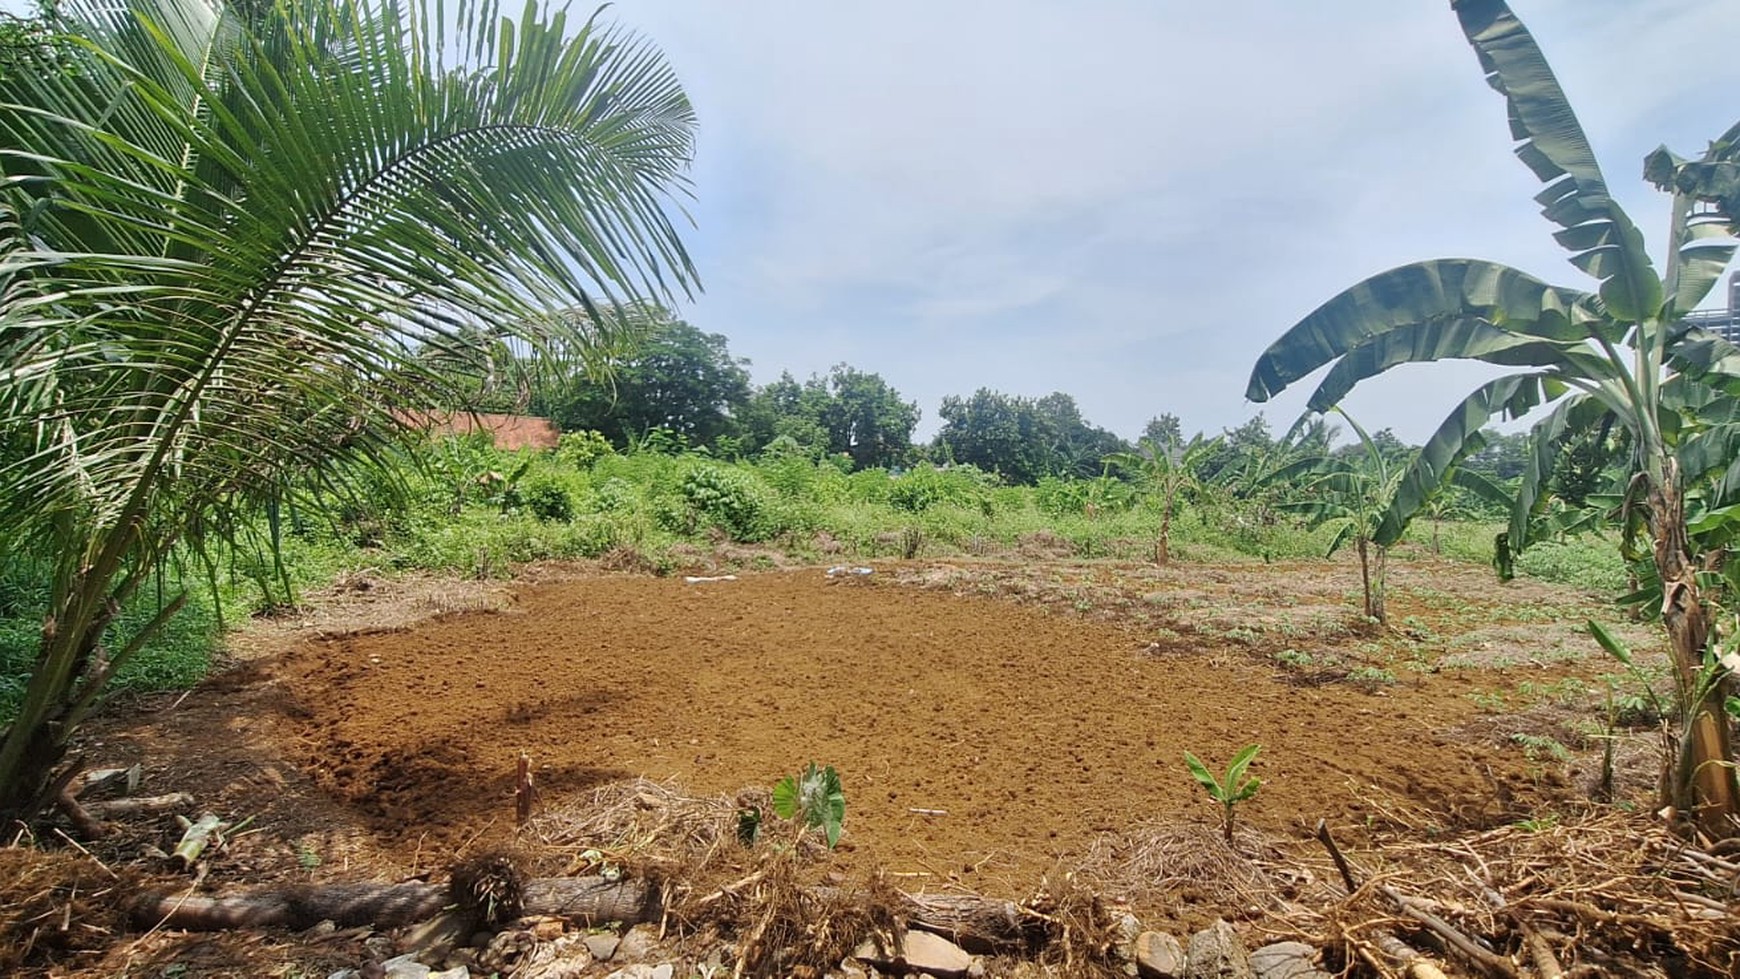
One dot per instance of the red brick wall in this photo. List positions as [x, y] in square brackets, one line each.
[509, 431]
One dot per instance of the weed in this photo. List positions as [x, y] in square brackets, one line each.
[1488, 702]
[1371, 677]
[1539, 746]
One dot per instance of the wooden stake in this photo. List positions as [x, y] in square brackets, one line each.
[524, 793]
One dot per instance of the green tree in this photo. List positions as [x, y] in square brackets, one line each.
[1617, 356]
[997, 433]
[678, 379]
[1169, 470]
[1021, 438]
[787, 408]
[866, 419]
[1163, 429]
[223, 239]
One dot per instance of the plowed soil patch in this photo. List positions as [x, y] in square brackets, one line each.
[1032, 731]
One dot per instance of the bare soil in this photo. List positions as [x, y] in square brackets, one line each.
[992, 721]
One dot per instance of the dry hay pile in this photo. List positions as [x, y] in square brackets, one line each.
[1159, 865]
[766, 898]
[777, 901]
[57, 904]
[1607, 894]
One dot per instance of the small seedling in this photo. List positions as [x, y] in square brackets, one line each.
[1230, 790]
[815, 799]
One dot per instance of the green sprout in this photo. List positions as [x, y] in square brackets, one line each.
[1231, 790]
[815, 798]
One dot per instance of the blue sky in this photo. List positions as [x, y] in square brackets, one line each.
[1127, 200]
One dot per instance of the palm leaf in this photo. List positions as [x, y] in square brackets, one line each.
[1600, 235]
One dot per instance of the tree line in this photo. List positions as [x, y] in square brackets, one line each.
[681, 388]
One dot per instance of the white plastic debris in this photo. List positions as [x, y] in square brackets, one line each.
[693, 580]
[841, 569]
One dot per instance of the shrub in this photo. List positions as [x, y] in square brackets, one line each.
[583, 449]
[547, 500]
[727, 498]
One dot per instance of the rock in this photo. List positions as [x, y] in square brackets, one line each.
[1159, 956]
[663, 971]
[567, 957]
[1128, 929]
[921, 952]
[458, 972]
[638, 943]
[602, 946]
[639, 970]
[345, 974]
[405, 967]
[1286, 960]
[505, 950]
[1216, 953]
[548, 929]
[436, 937]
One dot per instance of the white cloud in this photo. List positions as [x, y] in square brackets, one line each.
[1124, 199]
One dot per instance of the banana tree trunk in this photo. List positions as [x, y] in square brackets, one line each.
[1371, 577]
[1703, 786]
[1163, 547]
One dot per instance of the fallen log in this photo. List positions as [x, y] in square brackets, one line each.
[975, 923]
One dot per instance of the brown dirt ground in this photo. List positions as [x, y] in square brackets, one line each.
[1044, 705]
[1034, 731]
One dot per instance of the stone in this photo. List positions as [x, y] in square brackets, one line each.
[567, 957]
[1286, 960]
[436, 937]
[603, 945]
[921, 951]
[505, 950]
[639, 970]
[457, 972]
[548, 929]
[345, 974]
[638, 943]
[1159, 956]
[664, 970]
[405, 967]
[1216, 953]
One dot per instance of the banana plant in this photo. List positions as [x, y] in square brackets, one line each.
[1230, 789]
[1615, 354]
[1168, 470]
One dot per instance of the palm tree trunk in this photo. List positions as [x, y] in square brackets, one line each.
[1704, 785]
[68, 665]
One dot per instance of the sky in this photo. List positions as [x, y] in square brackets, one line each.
[1128, 200]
